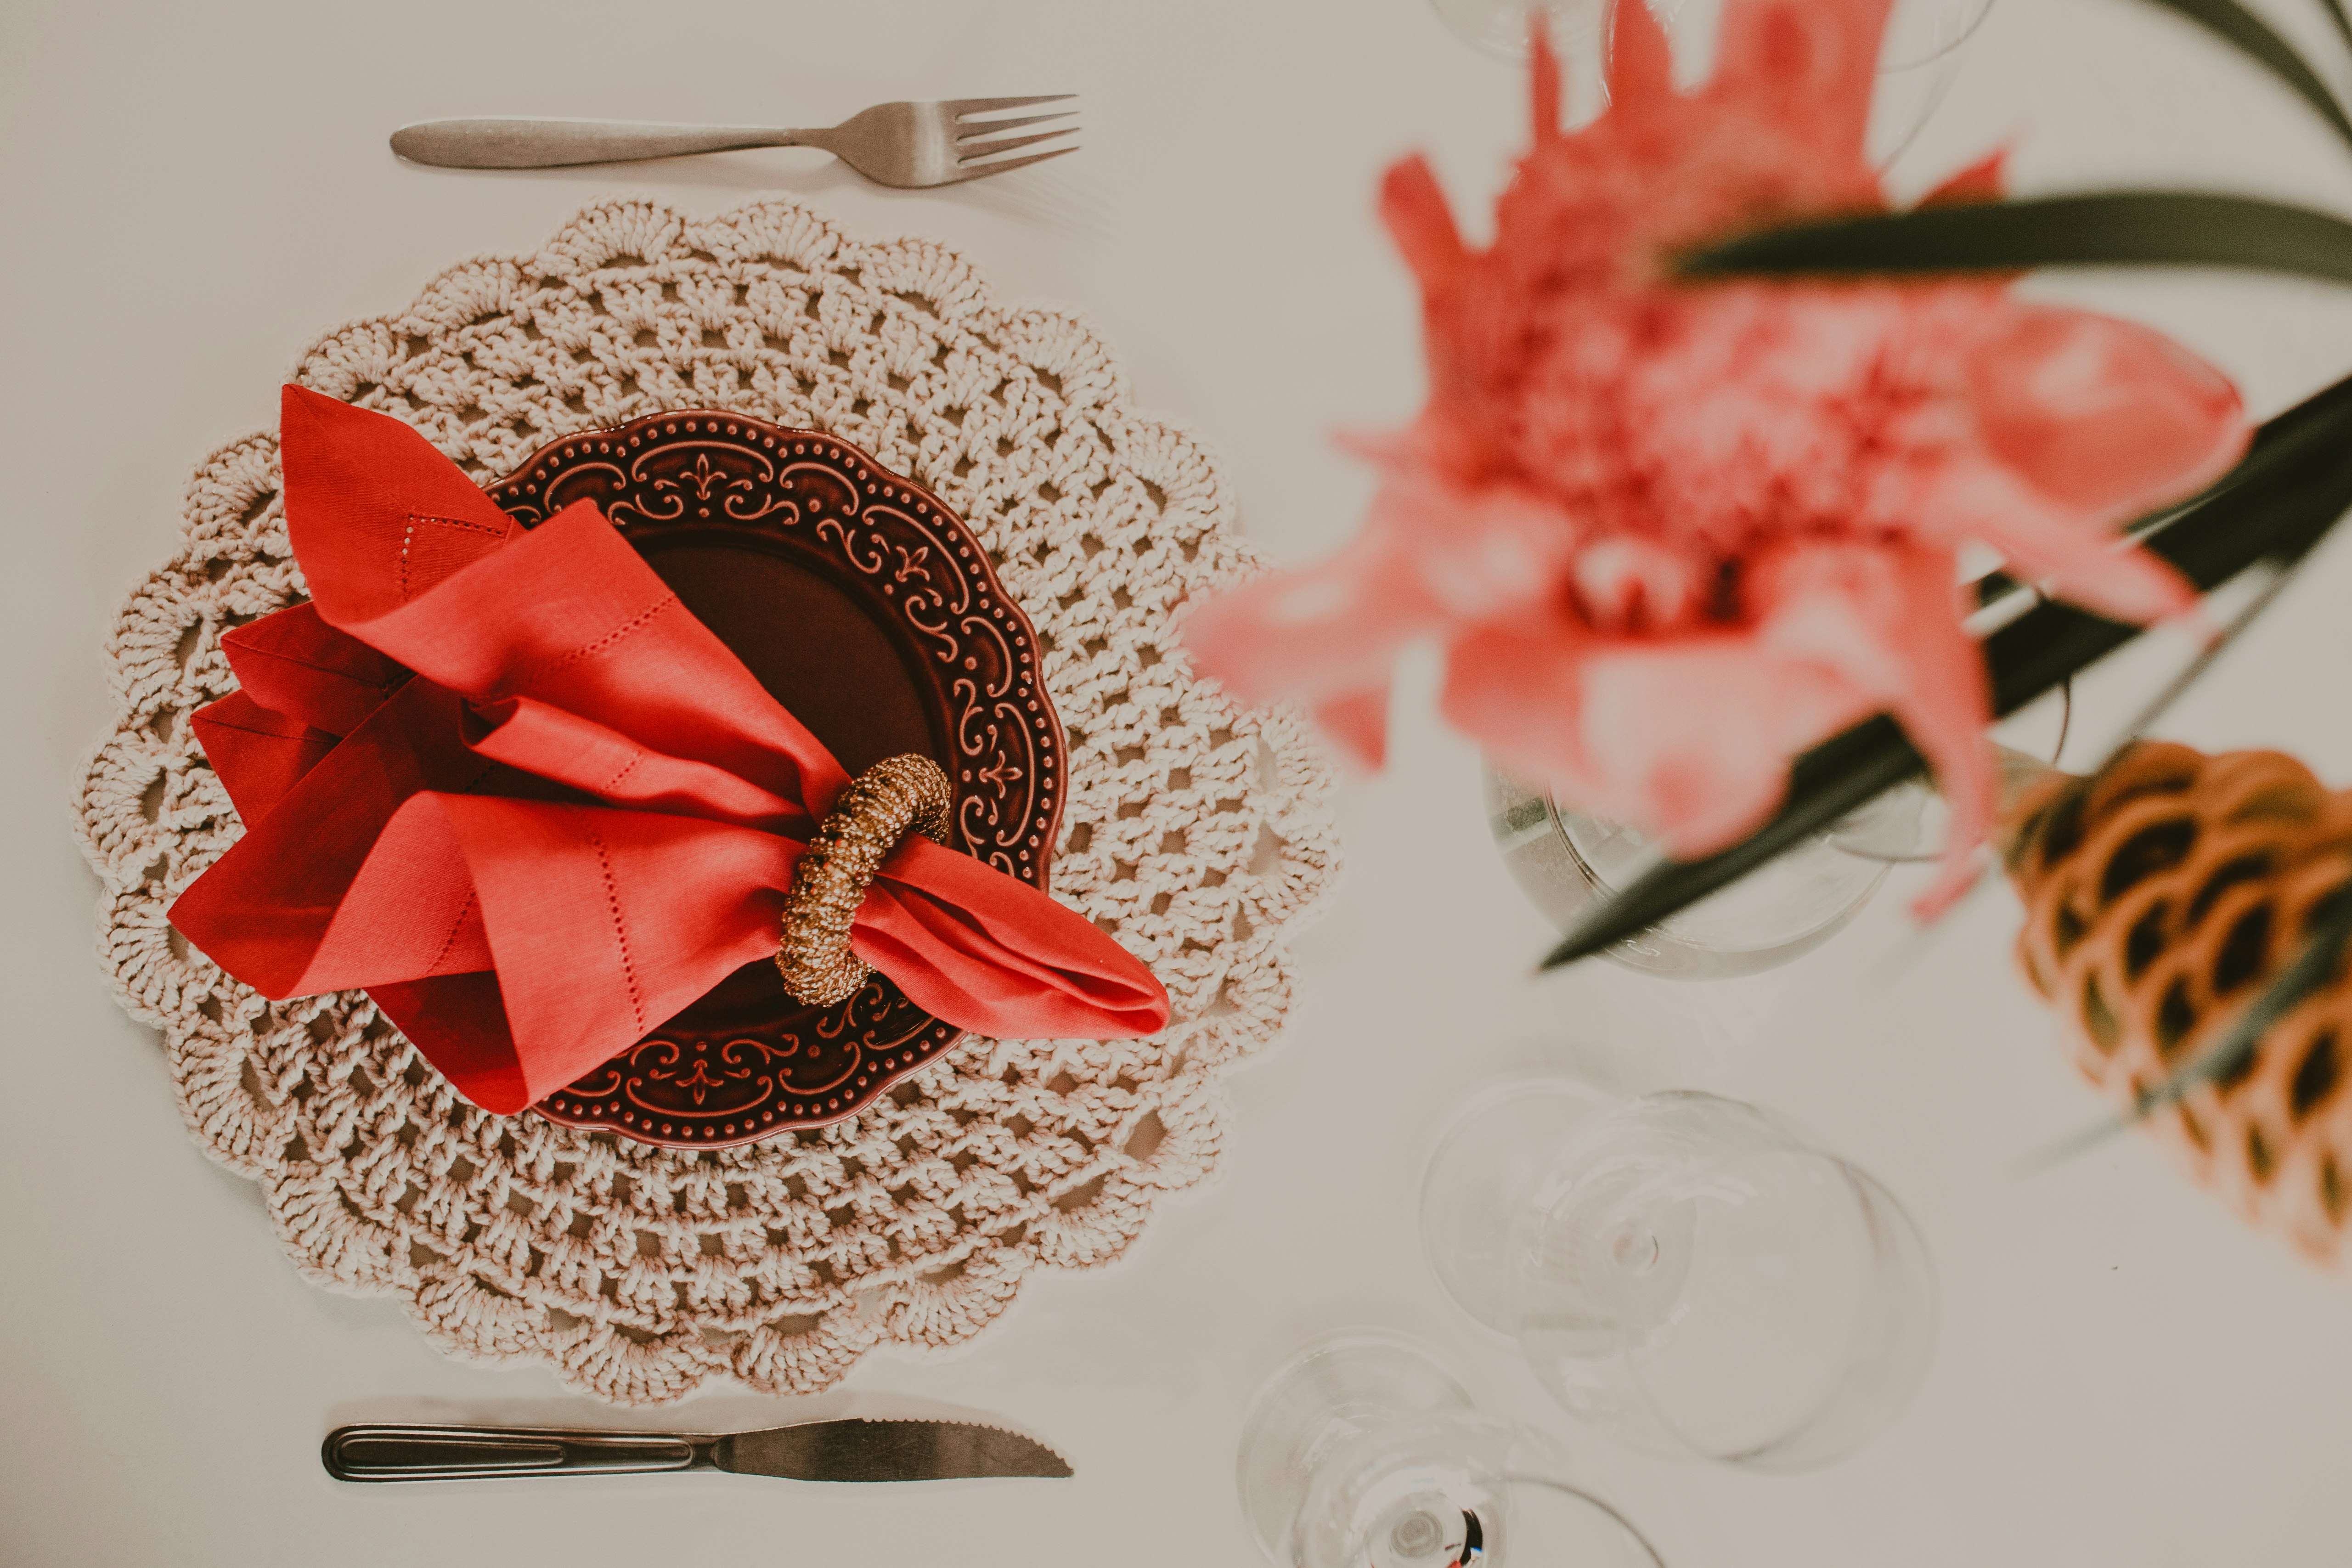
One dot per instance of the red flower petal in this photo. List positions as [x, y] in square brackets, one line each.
[1674, 534]
[2105, 416]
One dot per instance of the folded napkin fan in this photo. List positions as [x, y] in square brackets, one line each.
[504, 782]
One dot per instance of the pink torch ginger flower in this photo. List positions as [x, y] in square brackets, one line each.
[1672, 534]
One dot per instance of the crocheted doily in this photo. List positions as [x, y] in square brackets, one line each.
[1195, 832]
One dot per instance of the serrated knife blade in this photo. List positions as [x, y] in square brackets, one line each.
[854, 1448]
[885, 1451]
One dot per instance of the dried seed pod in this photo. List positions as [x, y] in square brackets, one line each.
[2158, 899]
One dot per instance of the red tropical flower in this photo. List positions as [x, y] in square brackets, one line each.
[1672, 534]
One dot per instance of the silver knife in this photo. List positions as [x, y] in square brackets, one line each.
[844, 1450]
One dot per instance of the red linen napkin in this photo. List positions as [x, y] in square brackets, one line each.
[504, 782]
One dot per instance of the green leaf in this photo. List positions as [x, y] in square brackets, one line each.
[2102, 229]
[2240, 28]
[2292, 487]
[2343, 19]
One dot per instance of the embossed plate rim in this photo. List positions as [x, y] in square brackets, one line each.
[527, 481]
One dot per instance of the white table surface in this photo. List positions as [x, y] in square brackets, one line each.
[189, 193]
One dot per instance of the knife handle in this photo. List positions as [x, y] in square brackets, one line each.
[463, 1453]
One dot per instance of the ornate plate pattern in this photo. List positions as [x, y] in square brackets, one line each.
[751, 1062]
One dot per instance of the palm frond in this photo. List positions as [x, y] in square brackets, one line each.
[2103, 229]
[2250, 36]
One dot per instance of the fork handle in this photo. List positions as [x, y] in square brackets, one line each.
[456, 1453]
[502, 143]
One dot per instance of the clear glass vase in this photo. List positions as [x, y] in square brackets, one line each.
[1567, 862]
[1918, 33]
[1916, 62]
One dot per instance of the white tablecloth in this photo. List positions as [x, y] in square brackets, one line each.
[2125, 1375]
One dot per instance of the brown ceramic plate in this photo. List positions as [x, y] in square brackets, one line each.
[869, 610]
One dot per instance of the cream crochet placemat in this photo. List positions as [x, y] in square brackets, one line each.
[1196, 833]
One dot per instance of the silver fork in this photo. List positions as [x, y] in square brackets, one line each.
[910, 145]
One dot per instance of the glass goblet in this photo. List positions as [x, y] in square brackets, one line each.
[1682, 1272]
[1365, 1452]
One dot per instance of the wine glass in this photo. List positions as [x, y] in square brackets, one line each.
[1567, 861]
[1365, 1452]
[1682, 1270]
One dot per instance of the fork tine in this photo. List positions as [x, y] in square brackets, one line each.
[966, 151]
[987, 126]
[963, 106]
[981, 170]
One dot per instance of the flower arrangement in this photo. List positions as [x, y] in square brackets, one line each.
[1671, 533]
[1707, 423]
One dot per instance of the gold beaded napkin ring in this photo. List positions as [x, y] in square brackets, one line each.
[857, 835]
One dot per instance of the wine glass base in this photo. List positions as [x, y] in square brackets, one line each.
[1324, 1397]
[1484, 1166]
[1364, 1452]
